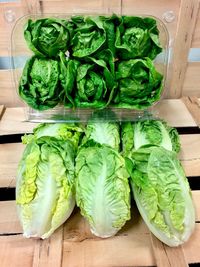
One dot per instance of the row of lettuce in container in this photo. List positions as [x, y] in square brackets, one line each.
[95, 166]
[92, 62]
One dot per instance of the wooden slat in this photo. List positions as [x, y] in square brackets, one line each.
[196, 35]
[14, 119]
[81, 248]
[182, 42]
[10, 155]
[166, 256]
[16, 251]
[6, 26]
[190, 154]
[48, 252]
[21, 252]
[9, 221]
[174, 112]
[193, 105]
[125, 249]
[191, 85]
[8, 94]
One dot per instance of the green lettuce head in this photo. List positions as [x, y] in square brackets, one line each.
[89, 36]
[147, 133]
[39, 83]
[137, 38]
[90, 84]
[162, 194]
[46, 37]
[139, 84]
[45, 186]
[102, 189]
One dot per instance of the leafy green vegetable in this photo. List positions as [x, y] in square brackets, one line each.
[102, 132]
[137, 38]
[61, 131]
[102, 189]
[39, 84]
[140, 84]
[89, 84]
[46, 37]
[89, 36]
[45, 186]
[162, 194]
[149, 133]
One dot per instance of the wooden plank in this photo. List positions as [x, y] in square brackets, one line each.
[182, 42]
[16, 251]
[10, 155]
[191, 85]
[193, 105]
[192, 246]
[81, 248]
[8, 94]
[12, 11]
[48, 252]
[9, 222]
[196, 35]
[14, 119]
[78, 6]
[22, 252]
[190, 154]
[174, 112]
[166, 256]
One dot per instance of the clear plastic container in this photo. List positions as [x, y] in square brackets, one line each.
[20, 53]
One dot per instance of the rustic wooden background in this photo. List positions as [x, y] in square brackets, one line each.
[184, 30]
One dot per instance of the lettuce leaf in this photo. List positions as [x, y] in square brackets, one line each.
[45, 186]
[162, 194]
[102, 189]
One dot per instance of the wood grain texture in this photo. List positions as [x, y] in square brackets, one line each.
[48, 252]
[6, 26]
[167, 257]
[193, 105]
[8, 94]
[186, 23]
[16, 251]
[191, 85]
[196, 35]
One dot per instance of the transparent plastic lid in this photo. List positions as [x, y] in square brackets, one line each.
[20, 53]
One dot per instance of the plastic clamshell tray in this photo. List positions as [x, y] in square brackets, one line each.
[20, 53]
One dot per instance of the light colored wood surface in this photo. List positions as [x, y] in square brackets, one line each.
[167, 257]
[191, 85]
[193, 105]
[186, 22]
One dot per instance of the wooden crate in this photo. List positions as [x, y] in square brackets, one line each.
[72, 245]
